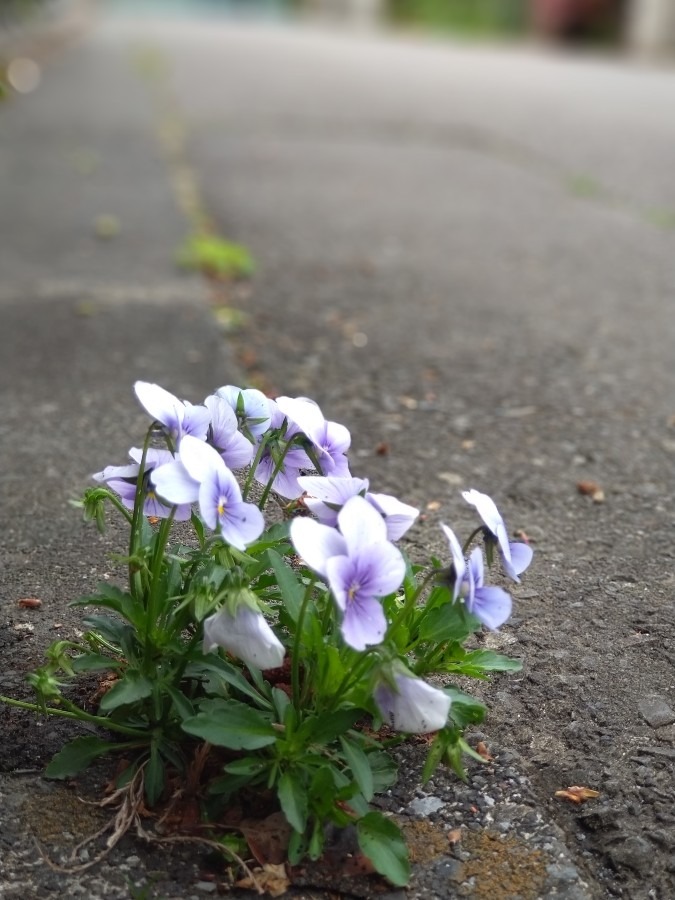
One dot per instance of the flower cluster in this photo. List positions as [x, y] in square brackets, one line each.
[276, 640]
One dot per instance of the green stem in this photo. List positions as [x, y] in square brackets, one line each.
[295, 661]
[135, 584]
[352, 676]
[155, 575]
[254, 465]
[474, 533]
[74, 712]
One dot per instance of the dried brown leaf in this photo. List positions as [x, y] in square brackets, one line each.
[29, 603]
[577, 794]
[454, 836]
[482, 750]
[270, 879]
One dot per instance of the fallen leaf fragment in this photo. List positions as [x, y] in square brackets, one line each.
[454, 836]
[271, 879]
[382, 449]
[433, 504]
[577, 794]
[30, 603]
[522, 536]
[482, 750]
[591, 489]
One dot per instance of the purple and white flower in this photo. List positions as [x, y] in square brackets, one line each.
[246, 635]
[492, 605]
[359, 563]
[251, 407]
[123, 480]
[515, 556]
[199, 474]
[223, 434]
[328, 494]
[330, 440]
[409, 704]
[178, 418]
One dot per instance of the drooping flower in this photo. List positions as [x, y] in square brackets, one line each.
[251, 407]
[409, 704]
[515, 556]
[458, 564]
[245, 634]
[330, 440]
[359, 563]
[223, 434]
[178, 418]
[328, 494]
[199, 474]
[123, 480]
[492, 605]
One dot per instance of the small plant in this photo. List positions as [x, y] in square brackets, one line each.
[215, 257]
[273, 662]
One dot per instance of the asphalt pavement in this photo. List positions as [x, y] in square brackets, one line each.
[467, 255]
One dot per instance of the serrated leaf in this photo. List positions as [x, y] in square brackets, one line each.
[229, 723]
[77, 755]
[382, 842]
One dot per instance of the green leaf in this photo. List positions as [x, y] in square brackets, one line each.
[326, 727]
[94, 662]
[383, 769]
[382, 842]
[464, 709]
[360, 766]
[229, 723]
[77, 755]
[292, 590]
[293, 799]
[489, 661]
[111, 597]
[449, 622]
[435, 755]
[229, 673]
[129, 689]
[181, 703]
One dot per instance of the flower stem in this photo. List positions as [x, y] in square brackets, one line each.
[74, 712]
[295, 661]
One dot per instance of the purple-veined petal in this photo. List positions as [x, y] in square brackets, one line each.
[305, 414]
[382, 568]
[398, 516]
[257, 407]
[316, 543]
[173, 483]
[130, 471]
[476, 567]
[363, 623]
[196, 421]
[330, 489]
[241, 524]
[492, 605]
[360, 524]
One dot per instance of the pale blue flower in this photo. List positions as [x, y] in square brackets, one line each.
[330, 440]
[178, 418]
[492, 605]
[252, 408]
[123, 480]
[223, 434]
[359, 563]
[246, 635]
[515, 556]
[199, 474]
[409, 704]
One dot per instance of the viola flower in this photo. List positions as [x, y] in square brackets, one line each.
[359, 563]
[199, 474]
[246, 635]
[251, 407]
[123, 480]
[223, 434]
[492, 605]
[515, 556]
[411, 705]
[458, 565]
[328, 494]
[177, 417]
[330, 440]
[293, 459]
